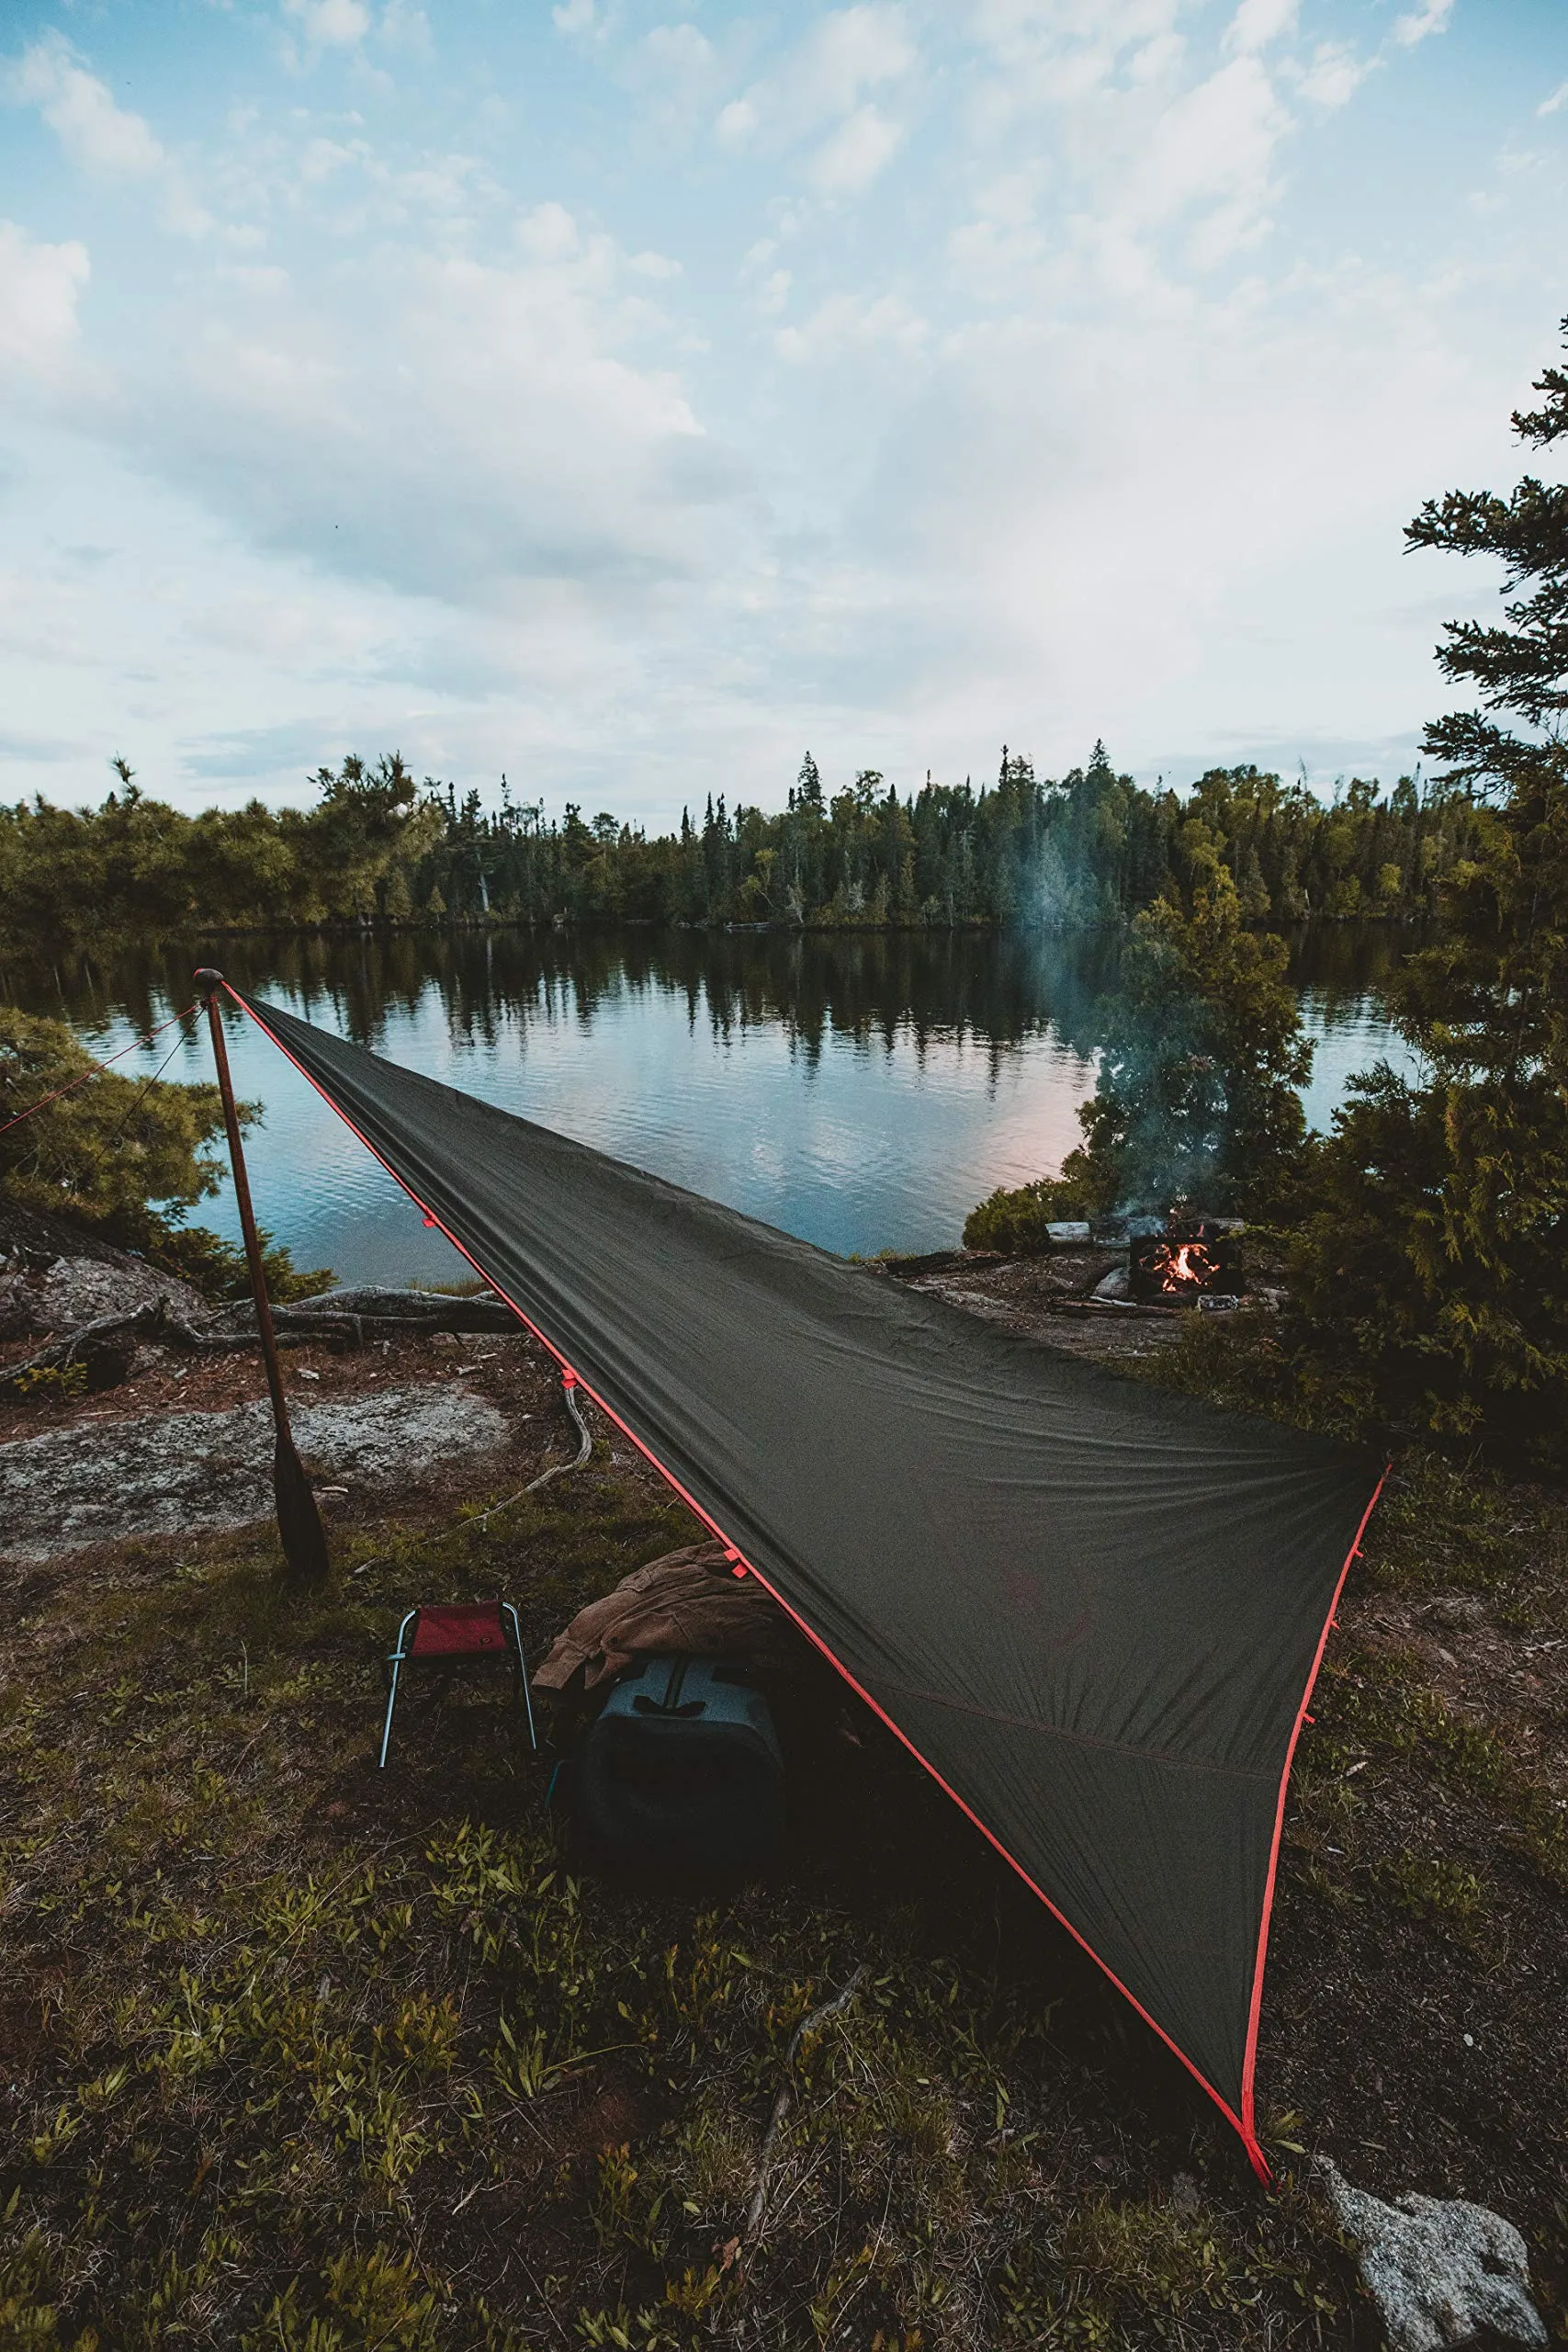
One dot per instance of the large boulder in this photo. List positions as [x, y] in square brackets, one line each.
[1440, 2271]
[54, 1278]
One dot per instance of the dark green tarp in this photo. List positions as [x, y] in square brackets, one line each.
[1092, 1609]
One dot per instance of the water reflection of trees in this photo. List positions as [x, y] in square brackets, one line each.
[1342, 965]
[876, 989]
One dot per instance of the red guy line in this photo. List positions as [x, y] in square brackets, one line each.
[98, 1069]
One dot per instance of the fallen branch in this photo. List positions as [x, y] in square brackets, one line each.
[353, 1315]
[418, 1309]
[106, 1335]
[1109, 1306]
[785, 2101]
[340, 1318]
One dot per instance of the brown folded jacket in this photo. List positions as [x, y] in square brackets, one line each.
[688, 1602]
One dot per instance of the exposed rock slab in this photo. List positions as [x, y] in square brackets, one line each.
[1441, 2272]
[165, 1473]
[55, 1278]
[72, 1291]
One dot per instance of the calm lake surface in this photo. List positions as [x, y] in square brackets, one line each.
[863, 1092]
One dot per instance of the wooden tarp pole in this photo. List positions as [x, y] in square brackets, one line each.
[299, 1521]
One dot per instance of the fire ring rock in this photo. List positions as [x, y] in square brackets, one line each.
[1439, 2271]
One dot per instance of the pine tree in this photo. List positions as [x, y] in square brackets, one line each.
[1201, 1060]
[124, 1158]
[1437, 1260]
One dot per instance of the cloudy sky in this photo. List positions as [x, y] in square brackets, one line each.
[627, 398]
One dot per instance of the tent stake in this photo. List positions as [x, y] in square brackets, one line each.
[299, 1521]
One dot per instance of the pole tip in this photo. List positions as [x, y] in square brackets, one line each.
[207, 981]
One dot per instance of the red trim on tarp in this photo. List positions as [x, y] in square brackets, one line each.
[1242, 2123]
[1249, 2061]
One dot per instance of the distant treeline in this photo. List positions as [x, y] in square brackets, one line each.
[380, 848]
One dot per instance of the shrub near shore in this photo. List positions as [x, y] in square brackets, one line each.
[123, 1159]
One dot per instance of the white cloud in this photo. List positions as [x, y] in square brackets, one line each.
[1158, 59]
[525, 431]
[1432, 17]
[847, 162]
[98, 136]
[1258, 22]
[828, 80]
[578, 20]
[549, 233]
[406, 28]
[1189, 510]
[1060, 54]
[674, 70]
[1211, 152]
[736, 122]
[330, 23]
[995, 256]
[679, 51]
[1559, 98]
[846, 53]
[847, 321]
[1334, 75]
[347, 187]
[39, 289]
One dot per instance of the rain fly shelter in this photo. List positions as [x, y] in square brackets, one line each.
[1092, 1610]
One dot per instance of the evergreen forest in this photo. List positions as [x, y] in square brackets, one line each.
[380, 848]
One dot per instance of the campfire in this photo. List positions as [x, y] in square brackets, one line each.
[1190, 1259]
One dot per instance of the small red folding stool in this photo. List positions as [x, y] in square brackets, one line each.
[459, 1633]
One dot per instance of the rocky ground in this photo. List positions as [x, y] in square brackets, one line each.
[293, 2053]
[53, 1278]
[1055, 1298]
[165, 1473]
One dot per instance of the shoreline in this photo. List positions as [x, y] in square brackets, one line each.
[39, 954]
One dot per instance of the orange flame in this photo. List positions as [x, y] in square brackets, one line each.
[1184, 1265]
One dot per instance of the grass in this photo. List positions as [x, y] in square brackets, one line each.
[304, 2057]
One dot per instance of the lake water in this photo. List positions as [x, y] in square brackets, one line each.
[862, 1091]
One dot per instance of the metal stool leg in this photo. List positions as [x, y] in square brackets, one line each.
[397, 1660]
[523, 1676]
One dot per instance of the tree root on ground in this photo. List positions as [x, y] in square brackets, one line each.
[105, 1348]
